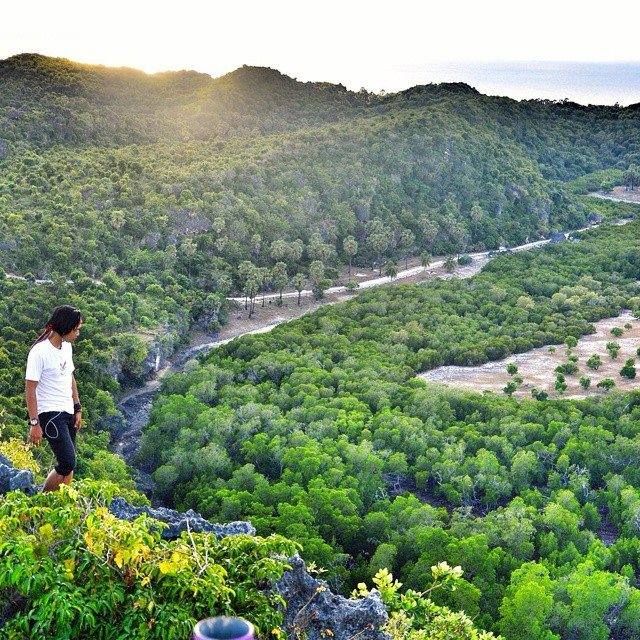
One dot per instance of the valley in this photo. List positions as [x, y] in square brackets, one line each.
[364, 427]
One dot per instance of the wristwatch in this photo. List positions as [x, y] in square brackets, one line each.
[34, 421]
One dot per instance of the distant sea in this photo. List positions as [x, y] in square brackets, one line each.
[582, 82]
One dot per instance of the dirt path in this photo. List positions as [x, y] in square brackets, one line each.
[618, 194]
[537, 366]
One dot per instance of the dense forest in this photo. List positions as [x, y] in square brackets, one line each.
[146, 200]
[312, 430]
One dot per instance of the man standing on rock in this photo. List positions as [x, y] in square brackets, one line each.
[52, 395]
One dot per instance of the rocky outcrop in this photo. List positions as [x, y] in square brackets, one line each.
[12, 478]
[179, 521]
[313, 610]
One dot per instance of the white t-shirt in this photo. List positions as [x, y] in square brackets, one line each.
[51, 368]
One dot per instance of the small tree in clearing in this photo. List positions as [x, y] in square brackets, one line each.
[629, 370]
[613, 348]
[606, 384]
[571, 342]
[594, 362]
[510, 388]
[585, 382]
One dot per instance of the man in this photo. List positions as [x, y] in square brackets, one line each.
[52, 395]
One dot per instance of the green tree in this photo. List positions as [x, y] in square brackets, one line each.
[450, 264]
[280, 278]
[510, 388]
[632, 177]
[571, 342]
[391, 269]
[298, 284]
[278, 250]
[295, 251]
[560, 384]
[527, 605]
[350, 247]
[613, 348]
[594, 362]
[316, 275]
[606, 383]
[405, 241]
[629, 369]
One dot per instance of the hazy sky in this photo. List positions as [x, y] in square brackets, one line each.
[379, 45]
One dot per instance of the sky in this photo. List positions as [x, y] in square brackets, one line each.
[378, 45]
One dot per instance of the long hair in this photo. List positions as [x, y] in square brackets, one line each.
[64, 319]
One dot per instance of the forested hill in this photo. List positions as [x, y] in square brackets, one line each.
[47, 101]
[443, 167]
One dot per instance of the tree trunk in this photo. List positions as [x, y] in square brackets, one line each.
[299, 295]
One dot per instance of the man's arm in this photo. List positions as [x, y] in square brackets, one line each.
[77, 415]
[74, 390]
[35, 432]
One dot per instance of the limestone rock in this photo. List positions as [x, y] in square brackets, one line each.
[177, 520]
[12, 478]
[312, 610]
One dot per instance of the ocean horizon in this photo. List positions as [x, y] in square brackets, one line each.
[596, 83]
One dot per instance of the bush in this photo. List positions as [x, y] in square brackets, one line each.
[594, 362]
[613, 348]
[567, 368]
[86, 573]
[629, 370]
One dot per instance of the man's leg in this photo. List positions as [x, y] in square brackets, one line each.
[64, 450]
[53, 481]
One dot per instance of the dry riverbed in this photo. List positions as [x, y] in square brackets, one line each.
[537, 366]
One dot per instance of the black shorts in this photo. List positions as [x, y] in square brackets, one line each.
[60, 433]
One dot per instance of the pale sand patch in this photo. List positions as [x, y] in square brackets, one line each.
[537, 366]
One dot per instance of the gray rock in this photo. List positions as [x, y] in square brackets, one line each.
[22, 479]
[312, 609]
[177, 520]
[556, 237]
[12, 478]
